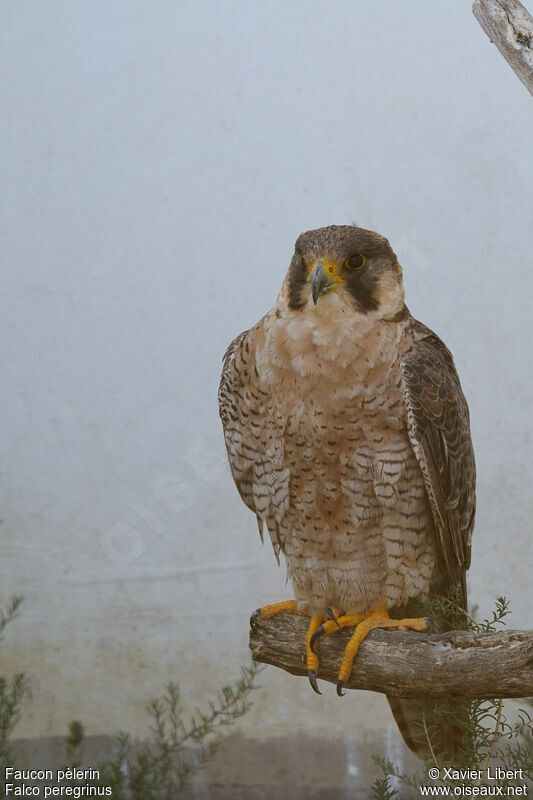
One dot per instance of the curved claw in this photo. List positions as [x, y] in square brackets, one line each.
[430, 623]
[311, 674]
[255, 616]
[331, 615]
[316, 635]
[340, 684]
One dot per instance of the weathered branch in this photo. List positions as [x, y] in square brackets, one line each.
[510, 26]
[458, 663]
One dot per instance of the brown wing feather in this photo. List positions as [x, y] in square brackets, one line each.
[229, 405]
[254, 439]
[439, 431]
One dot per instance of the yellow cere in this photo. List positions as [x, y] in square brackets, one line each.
[330, 269]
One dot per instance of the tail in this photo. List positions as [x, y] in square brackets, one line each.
[436, 729]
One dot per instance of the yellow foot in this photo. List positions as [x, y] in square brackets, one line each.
[266, 612]
[290, 606]
[364, 623]
[311, 657]
[332, 625]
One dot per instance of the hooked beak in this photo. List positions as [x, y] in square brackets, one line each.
[321, 280]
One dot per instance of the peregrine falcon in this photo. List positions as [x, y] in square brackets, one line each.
[348, 436]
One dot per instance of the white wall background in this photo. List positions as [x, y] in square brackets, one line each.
[158, 161]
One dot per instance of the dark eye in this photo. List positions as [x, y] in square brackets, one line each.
[357, 261]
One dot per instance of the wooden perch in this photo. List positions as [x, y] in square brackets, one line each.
[460, 663]
[510, 26]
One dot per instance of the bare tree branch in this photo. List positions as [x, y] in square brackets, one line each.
[510, 26]
[458, 663]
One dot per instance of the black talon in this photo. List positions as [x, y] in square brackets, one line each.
[255, 616]
[340, 684]
[316, 635]
[311, 674]
[431, 625]
[331, 615]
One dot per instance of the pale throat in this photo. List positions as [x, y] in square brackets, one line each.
[321, 342]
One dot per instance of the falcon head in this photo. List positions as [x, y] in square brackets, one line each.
[343, 266]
